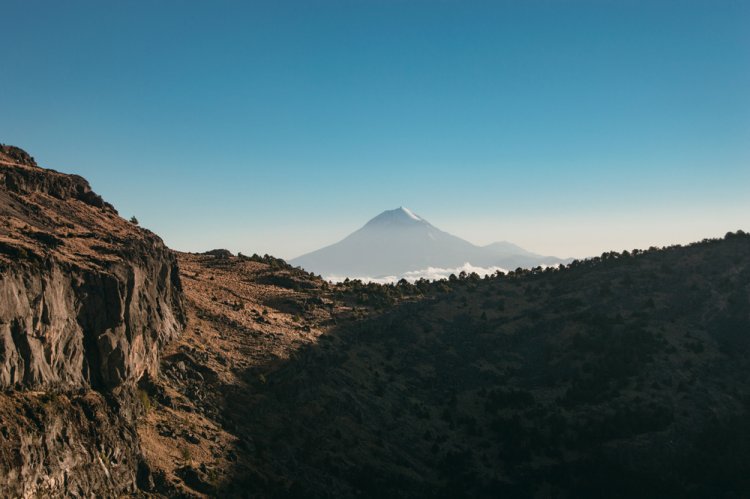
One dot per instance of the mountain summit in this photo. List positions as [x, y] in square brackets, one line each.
[399, 241]
[399, 217]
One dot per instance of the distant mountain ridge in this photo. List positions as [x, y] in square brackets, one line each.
[399, 241]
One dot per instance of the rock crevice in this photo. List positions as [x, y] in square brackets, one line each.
[87, 299]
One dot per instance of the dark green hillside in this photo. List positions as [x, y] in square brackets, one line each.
[622, 376]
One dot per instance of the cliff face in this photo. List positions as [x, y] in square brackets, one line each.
[69, 327]
[86, 301]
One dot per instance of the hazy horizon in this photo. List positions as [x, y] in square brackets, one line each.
[566, 238]
[568, 129]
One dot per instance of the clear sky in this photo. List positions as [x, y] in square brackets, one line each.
[566, 127]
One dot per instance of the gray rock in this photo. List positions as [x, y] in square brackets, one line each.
[82, 319]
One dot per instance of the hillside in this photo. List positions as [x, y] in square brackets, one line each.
[622, 376]
[86, 301]
[130, 370]
[399, 241]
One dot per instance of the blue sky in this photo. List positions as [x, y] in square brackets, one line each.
[567, 127]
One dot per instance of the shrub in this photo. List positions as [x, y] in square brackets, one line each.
[145, 400]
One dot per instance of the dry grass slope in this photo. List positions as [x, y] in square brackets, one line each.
[621, 376]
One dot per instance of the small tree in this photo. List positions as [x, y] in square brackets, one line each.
[133, 220]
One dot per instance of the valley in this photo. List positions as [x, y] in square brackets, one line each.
[616, 376]
[129, 369]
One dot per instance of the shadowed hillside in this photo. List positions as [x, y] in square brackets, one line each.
[625, 375]
[128, 369]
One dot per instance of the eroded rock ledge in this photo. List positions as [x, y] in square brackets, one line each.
[86, 301]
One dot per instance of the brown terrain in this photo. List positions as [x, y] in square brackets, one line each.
[242, 327]
[625, 375]
[87, 300]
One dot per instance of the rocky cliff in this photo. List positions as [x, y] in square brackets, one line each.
[86, 301]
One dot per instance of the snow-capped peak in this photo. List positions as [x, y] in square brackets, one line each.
[399, 217]
[410, 213]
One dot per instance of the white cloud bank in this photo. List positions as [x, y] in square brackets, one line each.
[430, 273]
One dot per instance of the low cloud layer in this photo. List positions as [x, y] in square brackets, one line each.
[430, 273]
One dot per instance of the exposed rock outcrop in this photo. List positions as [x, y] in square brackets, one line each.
[86, 301]
[69, 327]
[74, 444]
[12, 154]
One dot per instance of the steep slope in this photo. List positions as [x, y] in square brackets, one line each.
[626, 376]
[247, 318]
[86, 301]
[398, 241]
[623, 376]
